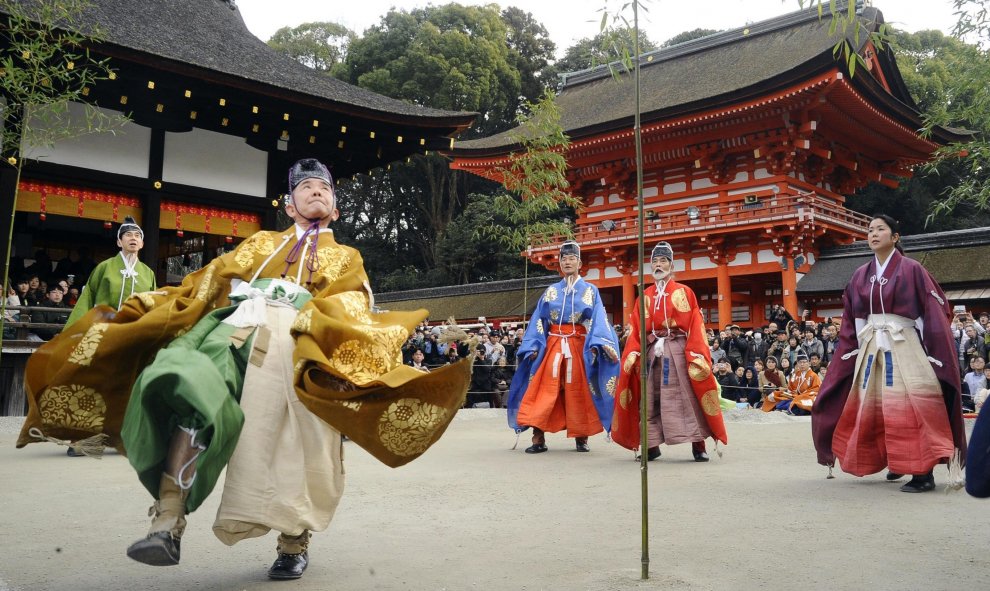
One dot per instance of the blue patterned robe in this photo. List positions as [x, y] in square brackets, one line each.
[585, 308]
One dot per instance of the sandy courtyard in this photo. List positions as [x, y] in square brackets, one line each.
[473, 515]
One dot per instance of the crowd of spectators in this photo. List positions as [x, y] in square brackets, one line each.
[972, 335]
[750, 363]
[492, 346]
[46, 285]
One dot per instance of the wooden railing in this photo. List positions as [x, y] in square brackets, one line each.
[719, 218]
[24, 326]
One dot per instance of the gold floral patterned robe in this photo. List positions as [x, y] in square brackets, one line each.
[347, 360]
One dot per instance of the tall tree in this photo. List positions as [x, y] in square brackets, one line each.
[446, 57]
[321, 45]
[530, 51]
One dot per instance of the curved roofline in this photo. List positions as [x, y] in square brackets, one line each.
[658, 56]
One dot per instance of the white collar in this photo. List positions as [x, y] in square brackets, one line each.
[300, 230]
[883, 267]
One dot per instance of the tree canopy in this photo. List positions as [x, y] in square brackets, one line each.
[321, 46]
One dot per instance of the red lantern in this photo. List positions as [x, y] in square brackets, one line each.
[180, 233]
[107, 225]
[43, 216]
[228, 239]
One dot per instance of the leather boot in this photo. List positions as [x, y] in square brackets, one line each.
[161, 546]
[293, 557]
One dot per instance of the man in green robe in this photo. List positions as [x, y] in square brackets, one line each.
[116, 279]
[257, 363]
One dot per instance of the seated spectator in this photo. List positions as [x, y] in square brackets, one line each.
[981, 395]
[501, 378]
[770, 378]
[727, 380]
[751, 394]
[54, 300]
[785, 366]
[417, 361]
[802, 389]
[816, 363]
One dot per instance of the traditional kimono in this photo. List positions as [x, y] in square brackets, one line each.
[891, 398]
[110, 283]
[346, 365]
[570, 335]
[684, 401]
[799, 397]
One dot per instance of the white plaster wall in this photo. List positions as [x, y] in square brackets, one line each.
[126, 151]
[215, 161]
[674, 188]
[702, 263]
[613, 198]
[702, 183]
[600, 200]
[593, 274]
[761, 173]
[611, 272]
[742, 258]
[652, 191]
[767, 256]
[605, 212]
[741, 176]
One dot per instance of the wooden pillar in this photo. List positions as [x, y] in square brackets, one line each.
[788, 278]
[628, 295]
[151, 217]
[724, 295]
[8, 189]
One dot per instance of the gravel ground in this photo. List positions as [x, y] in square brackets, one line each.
[473, 515]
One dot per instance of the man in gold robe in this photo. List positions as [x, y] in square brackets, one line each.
[260, 361]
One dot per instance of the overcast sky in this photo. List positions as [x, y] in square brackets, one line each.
[571, 20]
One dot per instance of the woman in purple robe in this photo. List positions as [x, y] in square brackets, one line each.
[891, 398]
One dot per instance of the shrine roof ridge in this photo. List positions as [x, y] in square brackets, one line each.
[917, 242]
[211, 35]
[701, 44]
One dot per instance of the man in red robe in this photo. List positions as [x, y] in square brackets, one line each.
[683, 400]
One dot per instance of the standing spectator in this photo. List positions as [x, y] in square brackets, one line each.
[829, 341]
[972, 346]
[779, 344]
[736, 347]
[792, 350]
[757, 347]
[780, 315]
[815, 364]
[811, 344]
[718, 353]
[974, 380]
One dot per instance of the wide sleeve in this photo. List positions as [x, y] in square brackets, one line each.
[529, 355]
[86, 299]
[626, 418]
[940, 347]
[834, 391]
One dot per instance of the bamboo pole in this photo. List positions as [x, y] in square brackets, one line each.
[643, 368]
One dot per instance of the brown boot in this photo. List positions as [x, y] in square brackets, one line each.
[293, 557]
[161, 546]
